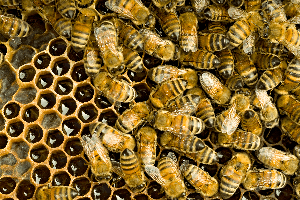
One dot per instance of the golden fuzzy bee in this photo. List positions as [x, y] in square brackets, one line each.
[216, 13]
[235, 82]
[213, 42]
[201, 180]
[250, 122]
[100, 162]
[233, 174]
[216, 27]
[265, 46]
[251, 5]
[240, 139]
[265, 61]
[290, 128]
[177, 124]
[169, 23]
[133, 117]
[10, 3]
[181, 143]
[287, 104]
[157, 47]
[163, 73]
[293, 70]
[227, 121]
[263, 179]
[199, 5]
[167, 174]
[130, 169]
[114, 90]
[14, 27]
[167, 91]
[273, 158]
[132, 60]
[56, 192]
[147, 142]
[214, 88]
[132, 9]
[106, 36]
[206, 156]
[186, 105]
[226, 66]
[189, 38]
[205, 111]
[111, 138]
[66, 8]
[275, 11]
[270, 79]
[241, 101]
[81, 29]
[92, 58]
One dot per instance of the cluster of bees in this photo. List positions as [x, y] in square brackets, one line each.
[257, 54]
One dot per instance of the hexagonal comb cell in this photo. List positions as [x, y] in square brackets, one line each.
[71, 127]
[34, 134]
[67, 107]
[46, 101]
[87, 113]
[61, 67]
[15, 128]
[31, 114]
[64, 87]
[57, 47]
[84, 93]
[82, 185]
[39, 153]
[54, 138]
[7, 185]
[142, 91]
[25, 190]
[58, 160]
[78, 73]
[51, 120]
[102, 102]
[101, 191]
[77, 166]
[75, 56]
[61, 178]
[109, 117]
[27, 74]
[41, 174]
[42, 61]
[11, 110]
[3, 141]
[73, 147]
[121, 194]
[44, 81]
[137, 76]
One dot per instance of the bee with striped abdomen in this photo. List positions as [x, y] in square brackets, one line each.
[100, 162]
[270, 79]
[292, 73]
[216, 27]
[92, 58]
[226, 66]
[186, 105]
[241, 102]
[227, 121]
[275, 11]
[132, 60]
[14, 27]
[290, 128]
[216, 13]
[265, 46]
[205, 111]
[265, 61]
[206, 156]
[66, 8]
[199, 5]
[287, 104]
[235, 82]
[251, 5]
[56, 192]
[213, 41]
[11, 2]
[250, 122]
[111, 138]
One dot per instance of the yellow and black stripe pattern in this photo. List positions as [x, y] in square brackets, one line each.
[250, 122]
[287, 104]
[56, 192]
[266, 61]
[292, 72]
[216, 13]
[206, 156]
[270, 79]
[213, 42]
[290, 128]
[226, 66]
[133, 60]
[14, 27]
[205, 111]
[10, 2]
[92, 58]
[189, 37]
[201, 60]
[66, 8]
[186, 104]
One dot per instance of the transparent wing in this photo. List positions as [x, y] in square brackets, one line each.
[112, 6]
[154, 173]
[199, 5]
[210, 83]
[231, 122]
[184, 166]
[295, 20]
[116, 168]
[101, 150]
[248, 44]
[236, 13]
[263, 98]
[172, 156]
[87, 146]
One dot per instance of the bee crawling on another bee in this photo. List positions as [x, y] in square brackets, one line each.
[56, 192]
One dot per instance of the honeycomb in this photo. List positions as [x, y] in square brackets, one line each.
[47, 104]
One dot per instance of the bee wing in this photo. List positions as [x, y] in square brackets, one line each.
[101, 150]
[116, 168]
[210, 83]
[263, 98]
[294, 49]
[184, 166]
[231, 122]
[295, 20]
[111, 4]
[199, 5]
[154, 173]
[172, 156]
[236, 13]
[87, 146]
[248, 44]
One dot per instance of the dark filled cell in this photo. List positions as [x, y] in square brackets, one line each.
[266, 192]
[109, 117]
[71, 127]
[37, 22]
[44, 38]
[184, 159]
[82, 185]
[42, 61]
[150, 61]
[250, 196]
[27, 75]
[75, 56]
[273, 136]
[142, 92]
[288, 143]
[224, 154]
[102, 102]
[26, 95]
[85, 131]
[204, 134]
[11, 110]
[34, 134]
[51, 120]
[77, 166]
[195, 196]
[7, 185]
[15, 129]
[46, 101]
[57, 47]
[31, 114]
[58, 160]
[141, 197]
[39, 153]
[284, 193]
[64, 87]
[22, 56]
[25, 190]
[73, 147]
[101, 192]
[54, 138]
[61, 67]
[121, 194]
[87, 113]
[3, 49]
[3, 141]
[101, 8]
[67, 107]
[44, 81]
[155, 190]
[116, 181]
[121, 107]
[159, 30]
[21, 148]
[213, 137]
[61, 179]
[78, 73]
[84, 93]
[136, 76]
[236, 195]
[41, 174]
[211, 169]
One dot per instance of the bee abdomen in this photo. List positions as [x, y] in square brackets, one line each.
[266, 61]
[206, 112]
[132, 60]
[230, 183]
[171, 26]
[132, 38]
[293, 71]
[226, 66]
[129, 162]
[238, 32]
[10, 2]
[66, 8]
[270, 79]
[201, 60]
[14, 27]
[213, 42]
[249, 74]
[63, 27]
[205, 156]
[246, 140]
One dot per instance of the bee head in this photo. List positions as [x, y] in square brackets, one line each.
[150, 21]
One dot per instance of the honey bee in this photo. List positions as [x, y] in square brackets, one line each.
[213, 42]
[205, 111]
[235, 82]
[66, 8]
[200, 60]
[241, 102]
[130, 169]
[82, 29]
[245, 68]
[185, 105]
[196, 91]
[181, 143]
[236, 3]
[189, 38]
[163, 73]
[251, 5]
[250, 122]
[226, 66]
[177, 124]
[199, 5]
[227, 121]
[216, 27]
[270, 79]
[171, 6]
[129, 35]
[92, 58]
[240, 139]
[56, 192]
[265, 46]
[147, 141]
[114, 90]
[216, 13]
[10, 3]
[134, 10]
[201, 180]
[273, 158]
[290, 128]
[167, 174]
[287, 104]
[167, 91]
[263, 179]
[275, 11]
[160, 3]
[206, 156]
[100, 162]
[157, 47]
[132, 60]
[265, 61]
[233, 174]
[169, 23]
[214, 88]
[292, 71]
[131, 118]
[111, 138]
[14, 27]
[106, 36]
